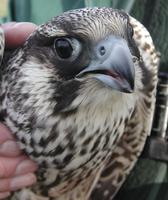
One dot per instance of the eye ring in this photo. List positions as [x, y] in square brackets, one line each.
[67, 48]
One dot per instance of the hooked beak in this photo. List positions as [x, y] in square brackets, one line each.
[113, 65]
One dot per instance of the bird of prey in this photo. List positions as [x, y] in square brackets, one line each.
[79, 97]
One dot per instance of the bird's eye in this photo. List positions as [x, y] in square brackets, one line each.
[67, 48]
[63, 48]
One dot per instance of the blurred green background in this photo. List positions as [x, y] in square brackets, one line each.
[149, 179]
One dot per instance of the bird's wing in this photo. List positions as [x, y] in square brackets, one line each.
[80, 192]
[138, 127]
[2, 44]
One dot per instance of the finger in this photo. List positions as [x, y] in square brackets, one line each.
[17, 33]
[17, 182]
[10, 148]
[4, 195]
[16, 166]
[5, 134]
[6, 141]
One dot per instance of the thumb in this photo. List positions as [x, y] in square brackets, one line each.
[16, 166]
[17, 33]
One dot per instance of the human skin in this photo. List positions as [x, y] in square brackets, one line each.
[16, 169]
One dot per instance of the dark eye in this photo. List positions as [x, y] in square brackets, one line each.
[67, 48]
[63, 48]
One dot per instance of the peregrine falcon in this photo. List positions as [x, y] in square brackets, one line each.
[79, 97]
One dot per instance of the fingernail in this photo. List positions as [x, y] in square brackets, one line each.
[4, 195]
[22, 181]
[25, 166]
[24, 23]
[9, 148]
[28, 25]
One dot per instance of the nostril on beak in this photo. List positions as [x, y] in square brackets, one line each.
[102, 50]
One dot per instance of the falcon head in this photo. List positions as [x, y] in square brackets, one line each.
[93, 42]
[83, 51]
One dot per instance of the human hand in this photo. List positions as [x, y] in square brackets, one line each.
[16, 33]
[16, 169]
